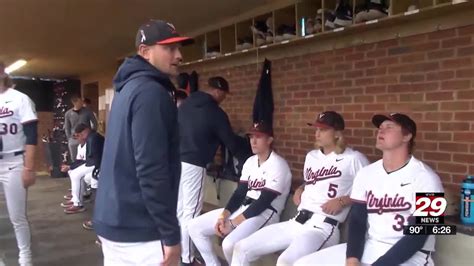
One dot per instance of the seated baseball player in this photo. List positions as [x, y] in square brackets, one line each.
[257, 202]
[383, 198]
[93, 143]
[323, 200]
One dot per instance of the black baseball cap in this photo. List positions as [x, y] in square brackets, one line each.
[159, 32]
[329, 119]
[403, 120]
[219, 83]
[260, 128]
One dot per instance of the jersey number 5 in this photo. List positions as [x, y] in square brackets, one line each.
[5, 129]
[332, 191]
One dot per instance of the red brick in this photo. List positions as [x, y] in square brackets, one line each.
[457, 63]
[387, 98]
[414, 39]
[467, 51]
[455, 126]
[363, 133]
[455, 42]
[463, 158]
[399, 50]
[386, 80]
[387, 61]
[335, 92]
[343, 83]
[352, 123]
[400, 88]
[438, 136]
[364, 81]
[325, 84]
[464, 116]
[300, 94]
[364, 99]
[343, 100]
[439, 96]
[300, 65]
[441, 75]
[354, 57]
[440, 54]
[411, 97]
[377, 53]
[464, 95]
[353, 140]
[388, 43]
[445, 106]
[364, 64]
[467, 30]
[317, 93]
[439, 116]
[437, 156]
[374, 107]
[456, 84]
[334, 76]
[453, 147]
[377, 71]
[412, 78]
[464, 137]
[427, 146]
[364, 116]
[375, 89]
[412, 58]
[441, 34]
[427, 126]
[369, 142]
[353, 91]
[354, 73]
[365, 47]
[325, 100]
[465, 73]
[452, 167]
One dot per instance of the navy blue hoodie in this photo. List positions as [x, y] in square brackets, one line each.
[139, 178]
[203, 125]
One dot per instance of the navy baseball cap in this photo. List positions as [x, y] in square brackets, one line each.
[403, 120]
[219, 83]
[159, 32]
[329, 119]
[260, 128]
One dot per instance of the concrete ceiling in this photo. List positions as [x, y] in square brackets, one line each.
[70, 38]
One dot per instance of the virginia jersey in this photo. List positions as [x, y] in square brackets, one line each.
[16, 109]
[329, 176]
[274, 175]
[390, 198]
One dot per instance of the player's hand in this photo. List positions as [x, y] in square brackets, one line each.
[352, 262]
[332, 206]
[220, 224]
[297, 195]
[226, 228]
[172, 255]
[65, 168]
[28, 177]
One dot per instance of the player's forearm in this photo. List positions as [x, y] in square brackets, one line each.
[30, 157]
[345, 201]
[357, 230]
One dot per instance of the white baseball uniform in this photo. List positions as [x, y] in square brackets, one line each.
[390, 200]
[16, 109]
[275, 175]
[326, 177]
[78, 176]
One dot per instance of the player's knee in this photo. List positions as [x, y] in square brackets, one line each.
[228, 246]
[18, 220]
[284, 259]
[192, 227]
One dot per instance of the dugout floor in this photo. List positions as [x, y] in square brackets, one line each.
[57, 238]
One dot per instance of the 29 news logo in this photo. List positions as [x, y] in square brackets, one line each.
[430, 208]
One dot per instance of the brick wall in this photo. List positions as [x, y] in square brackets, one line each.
[428, 76]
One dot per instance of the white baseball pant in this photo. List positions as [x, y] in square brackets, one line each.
[90, 181]
[297, 240]
[11, 169]
[373, 250]
[201, 230]
[137, 253]
[78, 186]
[190, 201]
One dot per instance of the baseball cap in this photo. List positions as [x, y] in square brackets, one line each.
[403, 120]
[219, 83]
[260, 128]
[329, 119]
[159, 32]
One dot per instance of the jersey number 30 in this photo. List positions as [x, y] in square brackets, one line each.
[5, 129]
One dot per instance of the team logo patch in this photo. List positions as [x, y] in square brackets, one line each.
[311, 177]
[386, 203]
[5, 112]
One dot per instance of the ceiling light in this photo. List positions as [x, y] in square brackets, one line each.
[15, 66]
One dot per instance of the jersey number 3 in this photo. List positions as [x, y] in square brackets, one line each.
[332, 191]
[5, 129]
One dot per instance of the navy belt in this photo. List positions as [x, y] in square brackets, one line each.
[11, 154]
